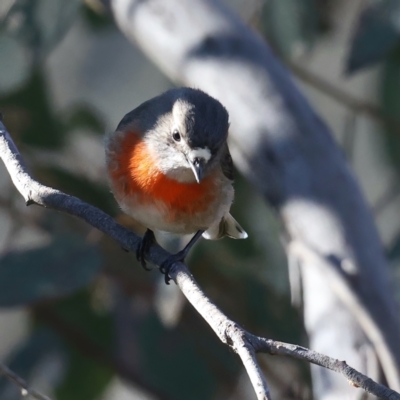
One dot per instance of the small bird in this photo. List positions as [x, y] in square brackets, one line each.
[170, 169]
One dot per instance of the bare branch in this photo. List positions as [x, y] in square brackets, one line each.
[17, 380]
[354, 377]
[230, 333]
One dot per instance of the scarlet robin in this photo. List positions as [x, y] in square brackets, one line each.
[170, 169]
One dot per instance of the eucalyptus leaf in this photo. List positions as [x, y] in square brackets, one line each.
[376, 35]
[58, 269]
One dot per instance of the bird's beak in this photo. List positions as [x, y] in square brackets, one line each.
[198, 168]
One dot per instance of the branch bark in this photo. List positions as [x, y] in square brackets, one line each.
[229, 332]
[281, 146]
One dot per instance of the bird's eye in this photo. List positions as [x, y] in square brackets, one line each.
[176, 136]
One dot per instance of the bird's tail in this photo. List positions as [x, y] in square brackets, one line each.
[227, 227]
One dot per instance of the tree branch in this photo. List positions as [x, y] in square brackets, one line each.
[354, 377]
[230, 333]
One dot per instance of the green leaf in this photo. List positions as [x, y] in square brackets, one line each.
[26, 359]
[377, 34]
[55, 270]
[290, 25]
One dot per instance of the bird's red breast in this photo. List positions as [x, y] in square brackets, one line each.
[135, 173]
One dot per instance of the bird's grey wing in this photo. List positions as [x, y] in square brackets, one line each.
[227, 164]
[134, 115]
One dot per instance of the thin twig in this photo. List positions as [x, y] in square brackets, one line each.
[17, 380]
[353, 103]
[242, 342]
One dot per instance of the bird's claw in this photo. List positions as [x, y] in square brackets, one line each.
[167, 264]
[143, 248]
[164, 269]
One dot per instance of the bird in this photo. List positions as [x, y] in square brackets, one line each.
[170, 169]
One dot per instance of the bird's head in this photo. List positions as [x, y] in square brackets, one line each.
[190, 130]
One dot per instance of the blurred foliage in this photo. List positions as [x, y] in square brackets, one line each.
[95, 194]
[29, 112]
[39, 24]
[83, 372]
[390, 98]
[56, 269]
[83, 117]
[376, 35]
[84, 380]
[166, 355]
[291, 25]
[41, 357]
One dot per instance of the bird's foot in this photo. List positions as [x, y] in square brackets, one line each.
[180, 256]
[143, 248]
[166, 265]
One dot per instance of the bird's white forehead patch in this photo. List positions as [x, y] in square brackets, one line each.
[200, 152]
[181, 110]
